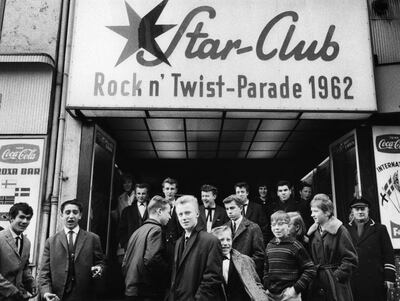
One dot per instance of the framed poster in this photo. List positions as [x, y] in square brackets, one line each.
[21, 176]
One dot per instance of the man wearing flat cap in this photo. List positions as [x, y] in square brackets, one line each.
[376, 270]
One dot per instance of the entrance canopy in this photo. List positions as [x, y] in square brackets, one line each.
[227, 135]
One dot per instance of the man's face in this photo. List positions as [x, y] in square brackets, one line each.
[305, 193]
[187, 216]
[170, 191]
[208, 199]
[284, 193]
[319, 216]
[127, 185]
[165, 215]
[141, 194]
[20, 222]
[242, 192]
[225, 237]
[233, 210]
[71, 216]
[262, 191]
[360, 213]
[280, 228]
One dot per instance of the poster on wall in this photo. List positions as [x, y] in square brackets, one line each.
[387, 168]
[21, 169]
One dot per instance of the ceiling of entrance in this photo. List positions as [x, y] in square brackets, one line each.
[228, 135]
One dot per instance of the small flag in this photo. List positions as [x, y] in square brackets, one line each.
[22, 191]
[7, 183]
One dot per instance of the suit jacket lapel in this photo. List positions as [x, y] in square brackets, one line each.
[368, 230]
[80, 239]
[188, 247]
[63, 239]
[242, 228]
[249, 211]
[11, 242]
[203, 215]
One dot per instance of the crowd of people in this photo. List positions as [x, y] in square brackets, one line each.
[173, 248]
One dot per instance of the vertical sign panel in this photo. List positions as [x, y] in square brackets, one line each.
[387, 169]
[21, 170]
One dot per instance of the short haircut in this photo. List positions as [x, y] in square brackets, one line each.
[17, 207]
[127, 177]
[157, 202]
[72, 202]
[262, 185]
[170, 181]
[208, 188]
[297, 220]
[323, 202]
[188, 199]
[143, 185]
[234, 198]
[221, 229]
[284, 183]
[304, 184]
[280, 215]
[241, 185]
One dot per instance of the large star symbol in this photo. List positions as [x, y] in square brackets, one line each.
[141, 33]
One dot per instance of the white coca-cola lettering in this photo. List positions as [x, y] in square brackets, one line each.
[24, 154]
[389, 144]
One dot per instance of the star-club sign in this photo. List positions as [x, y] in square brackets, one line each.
[141, 33]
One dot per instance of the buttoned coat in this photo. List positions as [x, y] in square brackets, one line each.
[256, 214]
[197, 273]
[220, 217]
[54, 268]
[248, 240]
[15, 273]
[376, 261]
[129, 222]
[336, 258]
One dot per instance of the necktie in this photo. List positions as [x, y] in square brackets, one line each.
[209, 214]
[71, 265]
[71, 243]
[18, 242]
[186, 241]
[244, 210]
[233, 228]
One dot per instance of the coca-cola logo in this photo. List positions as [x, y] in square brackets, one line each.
[388, 143]
[19, 153]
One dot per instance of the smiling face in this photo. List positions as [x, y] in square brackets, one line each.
[284, 193]
[279, 228]
[127, 185]
[360, 213]
[187, 216]
[20, 222]
[208, 199]
[262, 191]
[141, 194]
[242, 192]
[225, 238]
[71, 216]
[319, 216]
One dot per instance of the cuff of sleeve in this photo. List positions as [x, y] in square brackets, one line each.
[390, 272]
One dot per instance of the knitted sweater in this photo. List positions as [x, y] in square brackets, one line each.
[287, 264]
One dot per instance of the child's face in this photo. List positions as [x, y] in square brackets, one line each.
[280, 228]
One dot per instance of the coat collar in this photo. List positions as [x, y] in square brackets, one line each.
[11, 241]
[331, 226]
[79, 242]
[242, 227]
[190, 243]
[370, 222]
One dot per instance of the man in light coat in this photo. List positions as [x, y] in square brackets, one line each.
[16, 280]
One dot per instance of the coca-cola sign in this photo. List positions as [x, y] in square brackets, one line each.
[19, 153]
[388, 143]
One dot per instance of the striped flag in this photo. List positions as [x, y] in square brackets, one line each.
[22, 191]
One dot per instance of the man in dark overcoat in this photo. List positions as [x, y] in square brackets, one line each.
[247, 236]
[197, 267]
[376, 270]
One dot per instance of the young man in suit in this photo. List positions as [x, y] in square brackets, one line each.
[197, 267]
[251, 210]
[134, 215]
[145, 263]
[241, 282]
[247, 236]
[72, 258]
[211, 215]
[16, 280]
